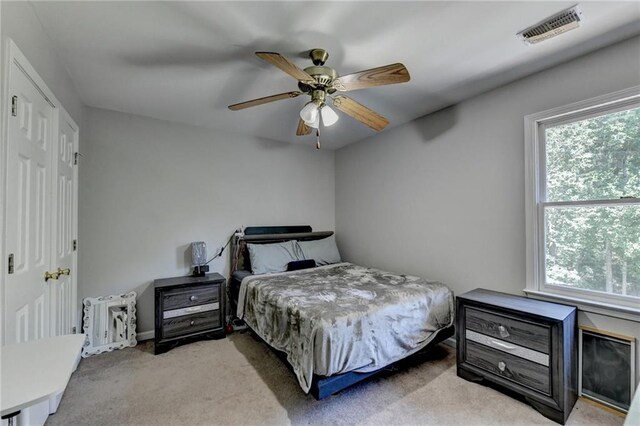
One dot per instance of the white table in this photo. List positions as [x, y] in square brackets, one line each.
[36, 371]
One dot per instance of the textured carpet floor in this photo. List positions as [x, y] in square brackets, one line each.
[238, 381]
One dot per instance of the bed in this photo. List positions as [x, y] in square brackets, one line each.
[339, 323]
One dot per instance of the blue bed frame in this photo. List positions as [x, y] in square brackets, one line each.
[321, 387]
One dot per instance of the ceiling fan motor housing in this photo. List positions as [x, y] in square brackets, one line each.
[324, 76]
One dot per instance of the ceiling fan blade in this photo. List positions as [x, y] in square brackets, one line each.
[303, 129]
[388, 74]
[360, 112]
[285, 65]
[265, 100]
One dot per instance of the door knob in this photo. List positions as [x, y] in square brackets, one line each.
[51, 276]
[65, 271]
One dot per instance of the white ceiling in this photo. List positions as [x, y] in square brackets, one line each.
[186, 61]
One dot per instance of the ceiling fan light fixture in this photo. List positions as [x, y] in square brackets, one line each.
[309, 113]
[329, 116]
[315, 123]
[321, 82]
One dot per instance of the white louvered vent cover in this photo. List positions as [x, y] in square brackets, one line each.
[557, 24]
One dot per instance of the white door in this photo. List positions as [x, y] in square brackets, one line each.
[29, 147]
[63, 294]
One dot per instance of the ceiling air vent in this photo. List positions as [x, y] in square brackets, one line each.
[557, 24]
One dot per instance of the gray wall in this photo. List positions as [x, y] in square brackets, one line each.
[149, 187]
[443, 196]
[20, 23]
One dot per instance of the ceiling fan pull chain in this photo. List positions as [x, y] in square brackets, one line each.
[317, 138]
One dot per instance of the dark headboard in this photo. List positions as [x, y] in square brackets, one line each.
[262, 230]
[266, 235]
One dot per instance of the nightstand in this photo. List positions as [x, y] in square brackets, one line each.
[188, 309]
[522, 345]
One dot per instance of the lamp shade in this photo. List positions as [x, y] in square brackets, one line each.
[309, 113]
[329, 116]
[315, 123]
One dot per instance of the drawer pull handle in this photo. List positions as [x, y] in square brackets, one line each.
[192, 322]
[193, 298]
[503, 331]
[502, 345]
[502, 366]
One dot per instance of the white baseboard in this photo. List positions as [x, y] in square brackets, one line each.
[145, 335]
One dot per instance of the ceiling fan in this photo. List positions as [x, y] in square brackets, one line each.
[321, 83]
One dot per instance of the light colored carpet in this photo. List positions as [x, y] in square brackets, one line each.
[238, 380]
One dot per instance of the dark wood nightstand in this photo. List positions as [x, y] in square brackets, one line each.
[526, 346]
[188, 309]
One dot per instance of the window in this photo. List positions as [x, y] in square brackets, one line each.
[583, 200]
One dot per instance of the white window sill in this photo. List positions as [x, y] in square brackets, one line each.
[615, 311]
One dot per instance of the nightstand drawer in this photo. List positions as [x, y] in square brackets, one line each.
[185, 297]
[518, 370]
[509, 329]
[510, 348]
[180, 326]
[191, 310]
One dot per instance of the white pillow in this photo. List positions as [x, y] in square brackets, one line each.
[266, 258]
[323, 251]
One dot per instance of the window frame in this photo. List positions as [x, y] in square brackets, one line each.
[535, 197]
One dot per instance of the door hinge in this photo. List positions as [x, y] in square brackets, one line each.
[75, 158]
[73, 329]
[75, 245]
[14, 106]
[10, 263]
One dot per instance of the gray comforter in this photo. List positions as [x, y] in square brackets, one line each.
[339, 318]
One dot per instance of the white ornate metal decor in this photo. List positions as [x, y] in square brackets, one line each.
[109, 323]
